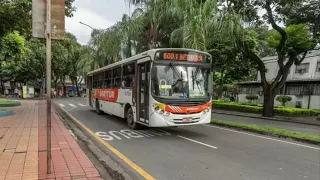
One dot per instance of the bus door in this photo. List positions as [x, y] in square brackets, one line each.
[143, 92]
[89, 89]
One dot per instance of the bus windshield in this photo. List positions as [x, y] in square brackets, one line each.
[177, 81]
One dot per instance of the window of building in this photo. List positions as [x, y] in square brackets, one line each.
[302, 68]
[318, 66]
[128, 75]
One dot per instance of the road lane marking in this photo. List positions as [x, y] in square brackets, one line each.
[72, 105]
[134, 166]
[62, 105]
[302, 145]
[82, 105]
[198, 142]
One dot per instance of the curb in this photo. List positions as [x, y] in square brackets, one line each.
[267, 133]
[104, 158]
[6, 113]
[271, 119]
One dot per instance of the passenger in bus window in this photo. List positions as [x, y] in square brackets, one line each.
[123, 85]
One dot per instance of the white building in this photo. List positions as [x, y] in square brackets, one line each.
[303, 82]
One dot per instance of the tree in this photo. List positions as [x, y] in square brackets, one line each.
[13, 51]
[16, 15]
[303, 12]
[289, 44]
[200, 23]
[251, 97]
[283, 99]
[75, 73]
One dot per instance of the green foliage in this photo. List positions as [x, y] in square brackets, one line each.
[236, 107]
[6, 101]
[251, 97]
[303, 12]
[269, 131]
[299, 38]
[284, 99]
[258, 109]
[12, 46]
[16, 15]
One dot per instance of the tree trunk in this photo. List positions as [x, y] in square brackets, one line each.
[78, 83]
[56, 87]
[129, 52]
[2, 87]
[268, 102]
[64, 90]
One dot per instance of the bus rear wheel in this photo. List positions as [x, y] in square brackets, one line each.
[130, 120]
[98, 111]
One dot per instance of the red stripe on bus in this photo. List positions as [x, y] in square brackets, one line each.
[107, 94]
[185, 109]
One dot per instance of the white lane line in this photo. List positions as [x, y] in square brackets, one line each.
[62, 105]
[82, 105]
[72, 105]
[302, 145]
[198, 142]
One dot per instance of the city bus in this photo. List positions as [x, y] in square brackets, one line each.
[165, 87]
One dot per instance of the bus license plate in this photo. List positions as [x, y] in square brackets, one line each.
[187, 119]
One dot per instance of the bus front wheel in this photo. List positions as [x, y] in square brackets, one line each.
[130, 120]
[99, 112]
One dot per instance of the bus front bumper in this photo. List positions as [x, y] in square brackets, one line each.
[159, 120]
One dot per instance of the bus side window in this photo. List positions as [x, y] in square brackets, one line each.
[128, 75]
[117, 77]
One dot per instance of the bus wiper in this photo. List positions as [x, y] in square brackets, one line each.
[195, 78]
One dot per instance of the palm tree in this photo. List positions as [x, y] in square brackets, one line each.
[200, 19]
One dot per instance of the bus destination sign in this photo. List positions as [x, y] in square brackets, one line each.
[181, 56]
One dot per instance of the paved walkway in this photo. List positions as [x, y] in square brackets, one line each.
[23, 147]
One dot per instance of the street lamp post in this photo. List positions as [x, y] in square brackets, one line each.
[92, 34]
[86, 25]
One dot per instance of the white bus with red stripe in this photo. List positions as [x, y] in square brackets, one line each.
[157, 88]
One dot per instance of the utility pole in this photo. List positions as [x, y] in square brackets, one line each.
[48, 21]
[48, 53]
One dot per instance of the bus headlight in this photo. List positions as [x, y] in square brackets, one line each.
[206, 110]
[166, 113]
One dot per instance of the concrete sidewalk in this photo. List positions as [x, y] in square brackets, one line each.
[23, 147]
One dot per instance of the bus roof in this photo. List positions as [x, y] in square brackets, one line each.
[150, 53]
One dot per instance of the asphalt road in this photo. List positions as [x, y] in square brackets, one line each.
[202, 152]
[303, 128]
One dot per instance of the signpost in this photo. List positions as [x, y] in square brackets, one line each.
[48, 21]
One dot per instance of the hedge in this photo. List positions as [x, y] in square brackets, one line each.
[258, 109]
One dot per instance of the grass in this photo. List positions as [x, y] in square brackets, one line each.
[3, 101]
[270, 131]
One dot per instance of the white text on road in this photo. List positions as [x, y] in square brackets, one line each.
[128, 134]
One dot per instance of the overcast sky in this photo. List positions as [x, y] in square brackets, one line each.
[99, 14]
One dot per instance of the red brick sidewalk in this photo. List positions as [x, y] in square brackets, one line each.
[23, 147]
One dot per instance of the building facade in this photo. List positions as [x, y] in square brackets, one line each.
[303, 82]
